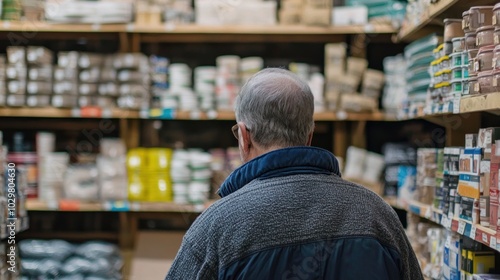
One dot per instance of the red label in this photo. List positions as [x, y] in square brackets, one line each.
[91, 112]
[69, 205]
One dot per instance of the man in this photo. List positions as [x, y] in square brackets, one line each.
[286, 213]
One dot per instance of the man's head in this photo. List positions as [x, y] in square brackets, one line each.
[274, 109]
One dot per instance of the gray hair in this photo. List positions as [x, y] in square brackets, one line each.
[277, 106]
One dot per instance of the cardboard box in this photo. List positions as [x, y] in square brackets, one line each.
[466, 208]
[154, 254]
[468, 186]
[316, 16]
[470, 161]
[471, 140]
[493, 208]
[342, 16]
[486, 138]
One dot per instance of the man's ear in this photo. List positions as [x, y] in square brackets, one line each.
[245, 138]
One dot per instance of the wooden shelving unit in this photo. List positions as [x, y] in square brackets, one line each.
[51, 112]
[116, 206]
[476, 232]
[432, 19]
[41, 26]
[487, 102]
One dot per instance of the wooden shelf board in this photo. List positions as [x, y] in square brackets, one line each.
[486, 102]
[51, 112]
[42, 26]
[70, 235]
[77, 206]
[181, 115]
[263, 30]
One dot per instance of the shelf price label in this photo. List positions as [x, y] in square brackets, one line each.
[69, 205]
[493, 242]
[91, 112]
[473, 232]
[445, 222]
[428, 213]
[461, 227]
[484, 236]
[119, 206]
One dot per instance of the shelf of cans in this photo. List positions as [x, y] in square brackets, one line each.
[458, 187]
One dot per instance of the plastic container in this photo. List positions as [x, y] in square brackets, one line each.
[456, 85]
[470, 40]
[16, 100]
[484, 36]
[473, 85]
[496, 57]
[456, 73]
[456, 59]
[495, 80]
[64, 101]
[38, 100]
[444, 62]
[465, 72]
[480, 16]
[484, 59]
[471, 67]
[465, 87]
[452, 29]
[466, 21]
[495, 20]
[485, 81]
[465, 58]
[496, 36]
[458, 44]
[448, 48]
[438, 51]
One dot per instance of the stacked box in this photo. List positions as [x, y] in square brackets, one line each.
[3, 89]
[470, 160]
[426, 172]
[494, 187]
[132, 71]
[66, 73]
[227, 81]
[39, 82]
[16, 75]
[451, 256]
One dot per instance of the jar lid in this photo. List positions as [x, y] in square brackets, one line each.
[470, 34]
[452, 20]
[496, 7]
[481, 8]
[486, 49]
[457, 39]
[485, 28]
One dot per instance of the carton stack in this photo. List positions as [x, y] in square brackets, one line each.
[39, 80]
[306, 12]
[66, 74]
[16, 76]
